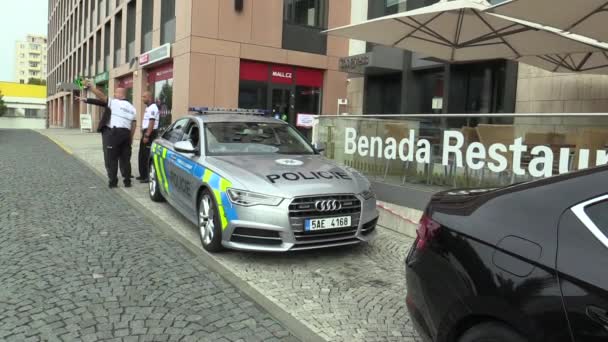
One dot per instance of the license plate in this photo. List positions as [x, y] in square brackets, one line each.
[327, 223]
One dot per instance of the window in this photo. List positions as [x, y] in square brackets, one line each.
[167, 17]
[131, 30]
[253, 95]
[146, 25]
[306, 12]
[251, 138]
[34, 64]
[106, 47]
[598, 213]
[175, 133]
[594, 215]
[192, 134]
[117, 39]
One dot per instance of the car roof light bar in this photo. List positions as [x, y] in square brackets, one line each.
[219, 110]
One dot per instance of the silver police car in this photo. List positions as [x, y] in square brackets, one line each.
[251, 182]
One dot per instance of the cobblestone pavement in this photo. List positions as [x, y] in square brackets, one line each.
[346, 294]
[78, 263]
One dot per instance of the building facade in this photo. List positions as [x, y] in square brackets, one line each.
[30, 59]
[267, 54]
[25, 105]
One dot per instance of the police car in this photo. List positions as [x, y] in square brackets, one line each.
[252, 182]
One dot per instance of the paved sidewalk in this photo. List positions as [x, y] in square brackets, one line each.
[79, 263]
[346, 294]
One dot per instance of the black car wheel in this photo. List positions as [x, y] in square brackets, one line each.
[209, 225]
[491, 332]
[154, 185]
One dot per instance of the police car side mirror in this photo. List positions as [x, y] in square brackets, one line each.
[184, 147]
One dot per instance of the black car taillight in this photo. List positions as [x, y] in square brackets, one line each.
[427, 230]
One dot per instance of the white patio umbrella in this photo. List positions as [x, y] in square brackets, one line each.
[461, 30]
[584, 17]
[586, 63]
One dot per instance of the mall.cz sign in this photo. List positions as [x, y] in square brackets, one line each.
[475, 154]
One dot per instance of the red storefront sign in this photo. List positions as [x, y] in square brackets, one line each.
[126, 82]
[281, 74]
[309, 77]
[161, 73]
[253, 71]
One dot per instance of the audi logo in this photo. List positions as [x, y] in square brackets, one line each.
[328, 205]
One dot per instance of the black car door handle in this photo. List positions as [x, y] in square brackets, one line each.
[599, 315]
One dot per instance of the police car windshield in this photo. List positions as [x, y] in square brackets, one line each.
[246, 138]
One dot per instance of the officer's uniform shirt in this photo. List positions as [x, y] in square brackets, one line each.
[123, 113]
[151, 113]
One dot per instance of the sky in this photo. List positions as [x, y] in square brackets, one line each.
[19, 18]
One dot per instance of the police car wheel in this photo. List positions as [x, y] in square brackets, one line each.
[209, 223]
[154, 186]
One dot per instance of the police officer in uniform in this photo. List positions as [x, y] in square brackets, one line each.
[103, 125]
[149, 129]
[120, 132]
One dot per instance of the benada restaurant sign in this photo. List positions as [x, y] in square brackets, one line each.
[476, 155]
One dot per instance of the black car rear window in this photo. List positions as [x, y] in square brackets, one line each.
[599, 215]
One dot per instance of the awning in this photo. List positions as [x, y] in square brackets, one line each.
[461, 30]
[585, 17]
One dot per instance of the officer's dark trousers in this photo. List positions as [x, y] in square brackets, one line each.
[119, 151]
[144, 154]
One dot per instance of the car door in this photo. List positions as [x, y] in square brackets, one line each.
[582, 265]
[164, 159]
[183, 170]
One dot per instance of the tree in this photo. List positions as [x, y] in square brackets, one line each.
[2, 105]
[166, 96]
[36, 81]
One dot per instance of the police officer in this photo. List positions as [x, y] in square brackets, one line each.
[149, 129]
[103, 125]
[120, 135]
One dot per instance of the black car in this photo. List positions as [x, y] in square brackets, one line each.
[528, 262]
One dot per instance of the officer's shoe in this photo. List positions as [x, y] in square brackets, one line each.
[144, 180]
[139, 178]
[128, 184]
[112, 185]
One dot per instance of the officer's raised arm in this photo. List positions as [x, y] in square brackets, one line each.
[98, 92]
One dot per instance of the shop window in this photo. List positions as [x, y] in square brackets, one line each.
[161, 84]
[253, 95]
[308, 100]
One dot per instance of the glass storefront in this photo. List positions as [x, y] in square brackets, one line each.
[160, 83]
[127, 83]
[285, 90]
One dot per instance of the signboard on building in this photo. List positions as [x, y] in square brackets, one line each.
[155, 55]
[86, 122]
[355, 64]
[101, 78]
[305, 120]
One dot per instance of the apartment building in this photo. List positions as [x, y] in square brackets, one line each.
[30, 59]
[267, 54]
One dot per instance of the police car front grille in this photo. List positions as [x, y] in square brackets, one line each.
[304, 208]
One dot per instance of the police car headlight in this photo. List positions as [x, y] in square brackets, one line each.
[367, 194]
[248, 199]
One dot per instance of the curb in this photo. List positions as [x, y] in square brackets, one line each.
[295, 326]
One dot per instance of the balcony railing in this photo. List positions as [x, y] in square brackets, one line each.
[485, 150]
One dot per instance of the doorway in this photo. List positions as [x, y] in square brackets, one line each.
[282, 101]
